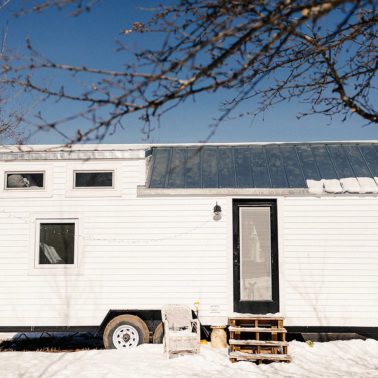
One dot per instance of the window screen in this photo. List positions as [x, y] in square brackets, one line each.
[93, 179]
[57, 243]
[16, 180]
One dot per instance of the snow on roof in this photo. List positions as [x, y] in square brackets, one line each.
[351, 185]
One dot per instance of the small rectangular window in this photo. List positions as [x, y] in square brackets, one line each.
[56, 243]
[93, 179]
[24, 180]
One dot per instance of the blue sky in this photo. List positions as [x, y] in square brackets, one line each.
[90, 39]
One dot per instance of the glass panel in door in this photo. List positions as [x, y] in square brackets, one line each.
[255, 254]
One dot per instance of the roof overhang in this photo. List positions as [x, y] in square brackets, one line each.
[143, 191]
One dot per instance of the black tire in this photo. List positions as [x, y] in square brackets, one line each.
[158, 336]
[125, 331]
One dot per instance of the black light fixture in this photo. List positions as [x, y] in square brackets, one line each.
[217, 212]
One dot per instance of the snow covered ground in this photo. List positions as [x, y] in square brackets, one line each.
[355, 358]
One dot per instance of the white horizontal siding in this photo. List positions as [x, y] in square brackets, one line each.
[330, 261]
[142, 252]
[135, 253]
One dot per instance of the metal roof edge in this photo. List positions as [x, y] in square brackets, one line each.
[147, 146]
[231, 144]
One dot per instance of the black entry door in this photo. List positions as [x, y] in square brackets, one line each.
[255, 256]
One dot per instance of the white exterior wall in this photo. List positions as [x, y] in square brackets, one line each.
[139, 253]
[329, 261]
[134, 253]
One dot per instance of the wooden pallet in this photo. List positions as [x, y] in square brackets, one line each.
[259, 338]
[256, 329]
[239, 356]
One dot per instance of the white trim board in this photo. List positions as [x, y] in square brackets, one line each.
[143, 191]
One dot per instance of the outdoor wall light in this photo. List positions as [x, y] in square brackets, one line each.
[217, 212]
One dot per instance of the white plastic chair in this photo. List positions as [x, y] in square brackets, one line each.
[181, 331]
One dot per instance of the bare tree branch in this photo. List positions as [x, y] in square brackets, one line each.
[269, 51]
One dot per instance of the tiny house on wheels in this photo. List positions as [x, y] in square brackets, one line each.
[101, 236]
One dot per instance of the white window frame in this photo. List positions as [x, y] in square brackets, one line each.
[92, 187]
[29, 168]
[93, 191]
[28, 172]
[61, 267]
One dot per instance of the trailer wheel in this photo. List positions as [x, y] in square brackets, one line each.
[158, 336]
[125, 331]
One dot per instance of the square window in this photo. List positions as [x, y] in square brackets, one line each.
[56, 243]
[93, 179]
[24, 180]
